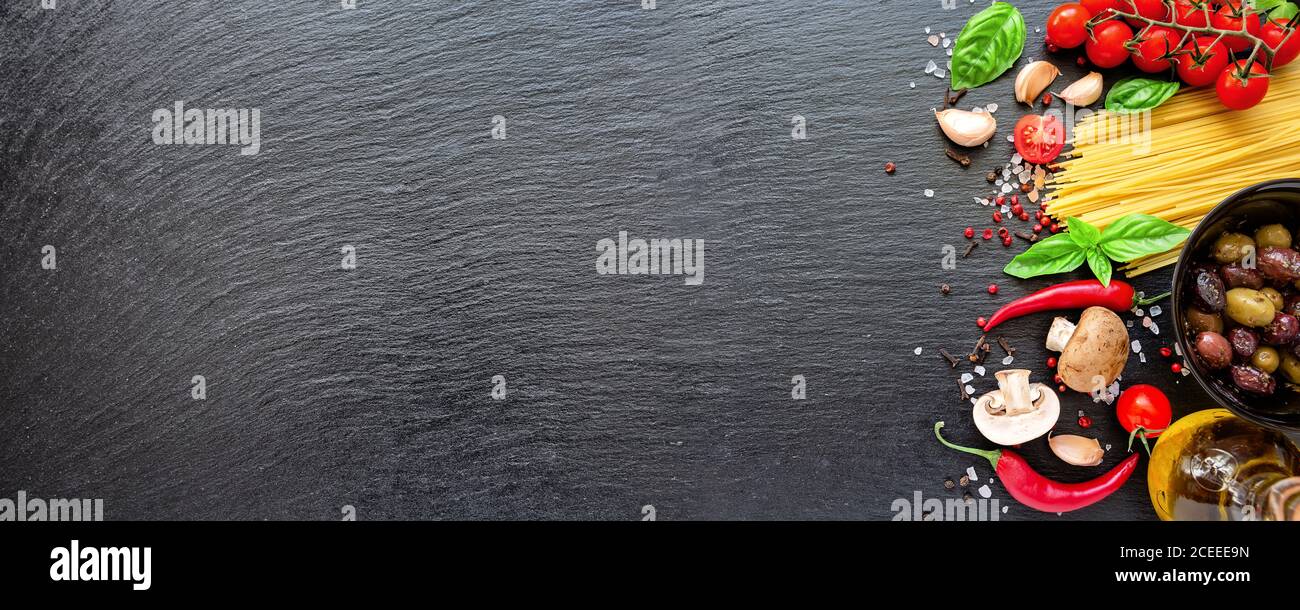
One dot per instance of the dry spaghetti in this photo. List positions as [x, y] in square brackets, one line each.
[1178, 162]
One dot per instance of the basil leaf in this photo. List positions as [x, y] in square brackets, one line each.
[1083, 234]
[1138, 235]
[1285, 11]
[1099, 264]
[1138, 94]
[987, 46]
[1264, 6]
[1056, 254]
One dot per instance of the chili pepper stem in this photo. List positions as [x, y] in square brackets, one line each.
[991, 455]
[1155, 299]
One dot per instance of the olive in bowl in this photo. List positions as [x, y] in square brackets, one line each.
[1236, 303]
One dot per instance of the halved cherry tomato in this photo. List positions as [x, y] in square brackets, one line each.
[1108, 46]
[1191, 13]
[1239, 89]
[1039, 138]
[1232, 16]
[1067, 26]
[1153, 47]
[1202, 61]
[1274, 34]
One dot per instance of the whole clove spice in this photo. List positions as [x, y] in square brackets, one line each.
[961, 387]
[970, 247]
[960, 158]
[975, 353]
[992, 177]
[965, 480]
[948, 484]
[953, 98]
[952, 362]
[1006, 347]
[1027, 236]
[945, 288]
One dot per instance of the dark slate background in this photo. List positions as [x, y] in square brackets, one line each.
[476, 256]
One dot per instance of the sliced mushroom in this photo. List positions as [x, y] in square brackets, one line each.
[1018, 411]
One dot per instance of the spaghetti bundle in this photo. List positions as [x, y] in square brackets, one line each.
[1178, 163]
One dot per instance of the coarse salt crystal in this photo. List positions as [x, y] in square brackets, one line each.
[967, 377]
[1016, 159]
[980, 370]
[985, 491]
[947, 42]
[933, 40]
[1006, 188]
[1136, 345]
[1137, 311]
[940, 74]
[1155, 330]
[949, 52]
[931, 67]
[1142, 357]
[1156, 311]
[1146, 322]
[911, 85]
[1033, 196]
[917, 351]
[929, 192]
[992, 107]
[970, 389]
[1008, 360]
[970, 474]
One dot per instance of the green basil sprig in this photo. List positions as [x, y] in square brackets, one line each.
[1138, 94]
[987, 46]
[1280, 10]
[1126, 239]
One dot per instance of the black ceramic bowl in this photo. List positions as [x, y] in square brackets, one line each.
[1267, 203]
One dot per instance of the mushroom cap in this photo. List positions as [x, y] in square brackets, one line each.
[1016, 429]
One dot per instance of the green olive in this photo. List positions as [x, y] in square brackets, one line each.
[1273, 235]
[1203, 322]
[1266, 359]
[1273, 295]
[1249, 307]
[1291, 367]
[1232, 247]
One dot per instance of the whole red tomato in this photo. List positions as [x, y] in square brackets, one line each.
[1143, 407]
[1102, 9]
[1274, 34]
[1067, 25]
[1107, 47]
[1191, 13]
[1151, 9]
[1234, 17]
[1154, 48]
[1202, 61]
[1240, 89]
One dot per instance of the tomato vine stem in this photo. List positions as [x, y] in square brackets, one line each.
[1188, 31]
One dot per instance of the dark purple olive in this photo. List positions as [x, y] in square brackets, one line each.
[1236, 276]
[1282, 330]
[1292, 305]
[1209, 290]
[1253, 380]
[1214, 350]
[1244, 342]
[1278, 264]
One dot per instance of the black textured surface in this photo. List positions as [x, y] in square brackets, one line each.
[475, 258]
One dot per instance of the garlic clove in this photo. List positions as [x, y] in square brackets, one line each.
[1083, 91]
[1034, 79]
[1076, 450]
[967, 128]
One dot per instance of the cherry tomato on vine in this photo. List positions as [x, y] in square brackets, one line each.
[1239, 89]
[1066, 27]
[1232, 16]
[1203, 61]
[1151, 9]
[1039, 138]
[1273, 34]
[1107, 47]
[1146, 407]
[1102, 8]
[1191, 13]
[1152, 47]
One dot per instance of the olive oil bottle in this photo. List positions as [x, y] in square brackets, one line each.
[1214, 466]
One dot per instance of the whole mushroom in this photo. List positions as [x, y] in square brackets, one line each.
[1018, 411]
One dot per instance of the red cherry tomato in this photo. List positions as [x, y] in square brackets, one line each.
[1191, 13]
[1239, 89]
[1101, 9]
[1151, 9]
[1146, 407]
[1106, 48]
[1066, 26]
[1232, 16]
[1274, 34]
[1039, 139]
[1154, 48]
[1202, 62]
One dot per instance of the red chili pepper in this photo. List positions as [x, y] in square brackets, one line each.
[1041, 493]
[1118, 296]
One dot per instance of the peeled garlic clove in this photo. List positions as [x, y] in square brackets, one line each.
[967, 128]
[1034, 79]
[1083, 91]
[1076, 450]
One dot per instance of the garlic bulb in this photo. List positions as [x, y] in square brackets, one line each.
[1076, 450]
[967, 128]
[1033, 80]
[1083, 91]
